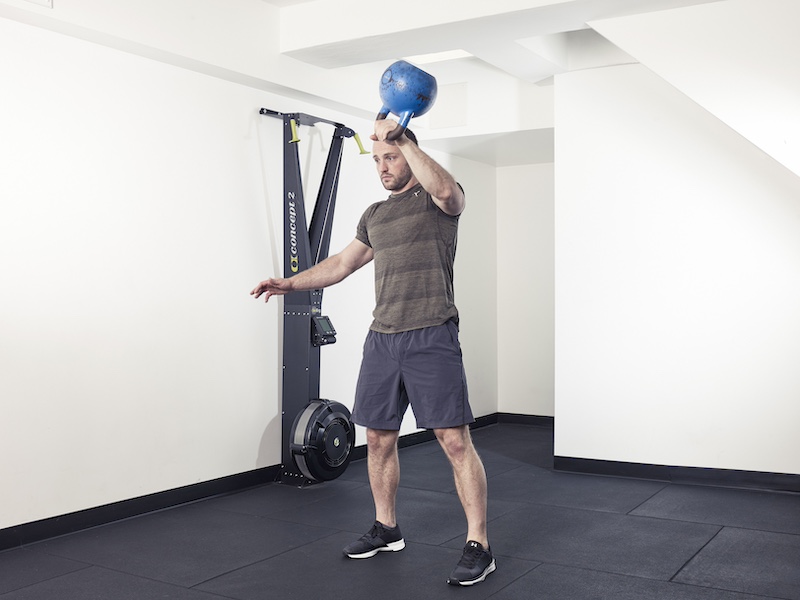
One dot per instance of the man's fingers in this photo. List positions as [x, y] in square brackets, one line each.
[269, 287]
[382, 129]
[260, 288]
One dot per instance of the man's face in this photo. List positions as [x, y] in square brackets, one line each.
[392, 167]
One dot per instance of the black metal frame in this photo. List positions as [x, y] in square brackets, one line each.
[304, 247]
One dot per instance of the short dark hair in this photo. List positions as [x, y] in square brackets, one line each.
[410, 135]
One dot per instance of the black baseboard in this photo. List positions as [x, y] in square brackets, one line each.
[776, 482]
[27, 533]
[532, 420]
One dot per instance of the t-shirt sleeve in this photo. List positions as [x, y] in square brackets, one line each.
[361, 229]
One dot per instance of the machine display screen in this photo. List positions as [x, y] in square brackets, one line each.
[323, 332]
[325, 324]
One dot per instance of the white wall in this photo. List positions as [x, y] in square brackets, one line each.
[133, 222]
[476, 281]
[677, 254]
[738, 59]
[139, 204]
[525, 277]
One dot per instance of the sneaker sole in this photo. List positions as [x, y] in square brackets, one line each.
[390, 547]
[490, 569]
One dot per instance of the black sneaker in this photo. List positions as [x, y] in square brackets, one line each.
[475, 564]
[378, 539]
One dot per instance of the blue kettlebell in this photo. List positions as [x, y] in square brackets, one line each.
[406, 91]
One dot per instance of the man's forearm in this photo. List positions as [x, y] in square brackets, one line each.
[321, 275]
[432, 176]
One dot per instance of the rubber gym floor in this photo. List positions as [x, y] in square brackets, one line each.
[555, 536]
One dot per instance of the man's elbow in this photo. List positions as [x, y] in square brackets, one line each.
[452, 202]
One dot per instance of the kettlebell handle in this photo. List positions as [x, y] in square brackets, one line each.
[401, 126]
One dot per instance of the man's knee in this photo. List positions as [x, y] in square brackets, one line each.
[381, 441]
[455, 441]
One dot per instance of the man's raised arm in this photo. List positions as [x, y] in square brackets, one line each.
[432, 176]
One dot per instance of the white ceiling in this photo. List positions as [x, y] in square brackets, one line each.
[527, 41]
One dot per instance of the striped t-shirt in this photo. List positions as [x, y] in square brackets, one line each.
[414, 247]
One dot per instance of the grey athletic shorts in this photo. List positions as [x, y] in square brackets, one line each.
[422, 367]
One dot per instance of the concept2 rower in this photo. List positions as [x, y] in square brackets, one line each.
[317, 434]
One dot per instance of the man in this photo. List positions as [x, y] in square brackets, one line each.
[412, 353]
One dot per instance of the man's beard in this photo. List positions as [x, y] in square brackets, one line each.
[398, 182]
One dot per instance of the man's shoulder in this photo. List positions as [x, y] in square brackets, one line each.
[372, 208]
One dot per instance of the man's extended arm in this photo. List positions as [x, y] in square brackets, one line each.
[330, 271]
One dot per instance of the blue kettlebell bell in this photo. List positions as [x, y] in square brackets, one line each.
[406, 91]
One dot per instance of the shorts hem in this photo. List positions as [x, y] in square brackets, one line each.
[457, 423]
[382, 426]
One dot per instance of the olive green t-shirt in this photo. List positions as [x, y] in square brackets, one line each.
[414, 247]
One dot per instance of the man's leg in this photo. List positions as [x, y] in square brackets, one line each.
[477, 561]
[383, 467]
[384, 476]
[470, 478]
